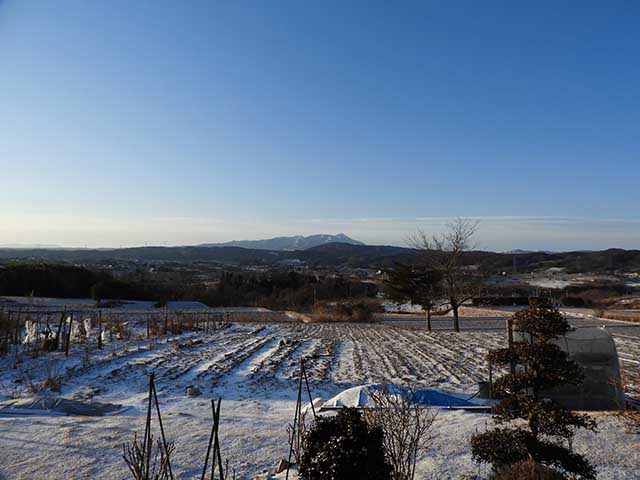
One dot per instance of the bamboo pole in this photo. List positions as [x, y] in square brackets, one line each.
[213, 428]
[164, 439]
[146, 445]
[295, 420]
[218, 442]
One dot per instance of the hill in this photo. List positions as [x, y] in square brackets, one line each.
[336, 255]
[296, 242]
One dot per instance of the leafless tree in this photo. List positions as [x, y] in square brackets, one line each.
[443, 253]
[406, 427]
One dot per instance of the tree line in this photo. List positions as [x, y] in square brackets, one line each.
[275, 290]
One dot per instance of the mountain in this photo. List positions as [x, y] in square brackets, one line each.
[297, 242]
[519, 251]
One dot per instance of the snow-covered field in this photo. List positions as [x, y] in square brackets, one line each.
[254, 368]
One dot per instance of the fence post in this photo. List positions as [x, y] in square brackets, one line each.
[512, 367]
[17, 327]
[100, 329]
[59, 330]
[66, 349]
[166, 320]
[7, 335]
[2, 317]
[490, 379]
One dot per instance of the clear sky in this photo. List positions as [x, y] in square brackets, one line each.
[180, 122]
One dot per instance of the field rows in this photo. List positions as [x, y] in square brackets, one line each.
[266, 358]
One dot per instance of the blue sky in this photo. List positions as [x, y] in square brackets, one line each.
[164, 122]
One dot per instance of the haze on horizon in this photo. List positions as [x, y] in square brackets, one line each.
[179, 123]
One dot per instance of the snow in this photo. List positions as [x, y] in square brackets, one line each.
[254, 368]
[550, 283]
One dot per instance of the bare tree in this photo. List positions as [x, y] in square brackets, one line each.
[443, 253]
[406, 429]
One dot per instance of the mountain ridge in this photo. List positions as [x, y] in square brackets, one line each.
[291, 243]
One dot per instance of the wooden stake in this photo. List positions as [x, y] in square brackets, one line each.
[166, 319]
[66, 347]
[218, 443]
[59, 330]
[296, 417]
[100, 329]
[490, 379]
[512, 366]
[213, 429]
[146, 445]
[164, 439]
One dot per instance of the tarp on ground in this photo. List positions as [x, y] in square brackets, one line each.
[360, 397]
[58, 406]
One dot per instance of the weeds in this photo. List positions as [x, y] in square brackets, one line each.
[51, 378]
[138, 458]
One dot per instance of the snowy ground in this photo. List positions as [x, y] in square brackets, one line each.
[253, 367]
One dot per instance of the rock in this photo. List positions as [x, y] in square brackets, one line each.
[193, 391]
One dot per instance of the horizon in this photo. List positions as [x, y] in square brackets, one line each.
[436, 225]
[164, 123]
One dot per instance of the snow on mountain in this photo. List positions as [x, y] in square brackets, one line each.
[296, 242]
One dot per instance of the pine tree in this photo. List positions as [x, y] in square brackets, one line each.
[532, 427]
[417, 284]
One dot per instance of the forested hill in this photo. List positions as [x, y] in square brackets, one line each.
[336, 255]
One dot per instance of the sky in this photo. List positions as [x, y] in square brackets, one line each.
[165, 122]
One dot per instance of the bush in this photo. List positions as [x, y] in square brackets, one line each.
[344, 447]
[406, 427]
[573, 302]
[534, 427]
[499, 301]
[362, 311]
[528, 470]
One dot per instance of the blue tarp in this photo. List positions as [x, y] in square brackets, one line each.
[359, 397]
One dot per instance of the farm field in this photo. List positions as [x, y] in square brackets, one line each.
[254, 368]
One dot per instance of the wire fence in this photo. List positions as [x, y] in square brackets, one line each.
[40, 330]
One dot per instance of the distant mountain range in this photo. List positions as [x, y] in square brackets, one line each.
[335, 255]
[296, 242]
[519, 251]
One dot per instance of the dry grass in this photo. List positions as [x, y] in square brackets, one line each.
[631, 419]
[625, 315]
[483, 312]
[528, 470]
[357, 312]
[619, 303]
